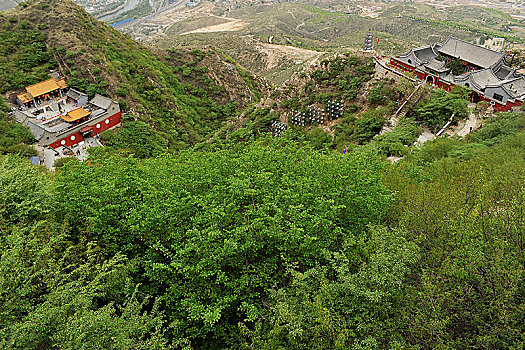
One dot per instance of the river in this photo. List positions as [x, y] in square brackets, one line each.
[130, 5]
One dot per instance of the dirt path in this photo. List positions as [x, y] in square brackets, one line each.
[470, 124]
[276, 52]
[427, 135]
[232, 26]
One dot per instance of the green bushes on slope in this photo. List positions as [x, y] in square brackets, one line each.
[14, 137]
[206, 234]
[268, 244]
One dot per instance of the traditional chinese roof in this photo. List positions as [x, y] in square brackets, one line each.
[75, 114]
[62, 83]
[75, 94]
[86, 128]
[425, 54]
[438, 66]
[505, 72]
[476, 55]
[483, 77]
[101, 101]
[515, 88]
[42, 88]
[24, 97]
[449, 78]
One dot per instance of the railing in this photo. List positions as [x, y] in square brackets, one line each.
[446, 125]
[408, 99]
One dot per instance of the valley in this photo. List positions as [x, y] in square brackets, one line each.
[242, 29]
[254, 175]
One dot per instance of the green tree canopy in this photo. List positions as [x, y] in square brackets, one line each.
[441, 106]
[139, 138]
[214, 231]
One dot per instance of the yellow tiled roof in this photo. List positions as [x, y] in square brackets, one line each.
[75, 114]
[42, 88]
[62, 83]
[24, 97]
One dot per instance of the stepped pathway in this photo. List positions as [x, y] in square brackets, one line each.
[402, 111]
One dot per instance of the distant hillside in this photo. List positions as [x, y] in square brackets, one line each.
[185, 95]
[8, 4]
[333, 26]
[338, 103]
[305, 27]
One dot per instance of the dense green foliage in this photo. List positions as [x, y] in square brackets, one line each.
[368, 125]
[456, 66]
[494, 131]
[24, 59]
[359, 130]
[466, 216]
[441, 107]
[386, 93]
[346, 304]
[269, 244]
[393, 143]
[139, 138]
[55, 292]
[14, 138]
[266, 247]
[214, 239]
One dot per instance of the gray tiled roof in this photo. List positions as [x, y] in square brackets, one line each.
[471, 53]
[425, 53]
[516, 87]
[101, 101]
[75, 94]
[505, 72]
[484, 77]
[448, 78]
[438, 66]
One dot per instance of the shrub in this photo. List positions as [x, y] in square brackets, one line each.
[60, 162]
[140, 138]
[368, 125]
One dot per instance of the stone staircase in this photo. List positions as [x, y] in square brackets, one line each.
[401, 112]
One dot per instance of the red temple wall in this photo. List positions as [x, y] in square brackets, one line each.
[401, 65]
[498, 107]
[77, 137]
[420, 75]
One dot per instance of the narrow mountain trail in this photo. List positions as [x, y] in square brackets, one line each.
[401, 112]
[470, 125]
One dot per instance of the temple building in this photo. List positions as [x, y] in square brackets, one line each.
[474, 57]
[457, 62]
[41, 93]
[58, 116]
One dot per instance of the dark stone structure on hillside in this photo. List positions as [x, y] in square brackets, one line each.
[368, 42]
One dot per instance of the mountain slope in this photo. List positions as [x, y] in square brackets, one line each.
[178, 93]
